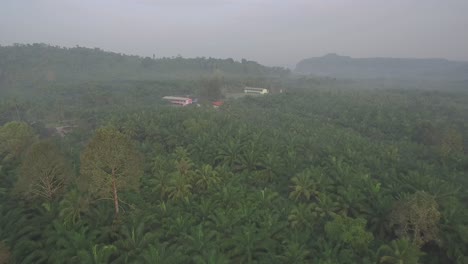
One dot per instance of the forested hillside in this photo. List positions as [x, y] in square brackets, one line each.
[28, 64]
[312, 175]
[153, 157]
[333, 65]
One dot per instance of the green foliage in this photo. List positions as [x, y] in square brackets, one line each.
[401, 251]
[206, 178]
[211, 89]
[26, 64]
[316, 175]
[72, 206]
[352, 232]
[417, 217]
[110, 163]
[160, 254]
[44, 173]
[15, 138]
[294, 253]
[304, 186]
[179, 187]
[98, 254]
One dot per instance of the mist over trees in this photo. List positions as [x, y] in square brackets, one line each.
[28, 64]
[95, 167]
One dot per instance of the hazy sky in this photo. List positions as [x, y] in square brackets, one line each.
[272, 32]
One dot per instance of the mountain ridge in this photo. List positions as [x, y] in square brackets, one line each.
[334, 65]
[31, 63]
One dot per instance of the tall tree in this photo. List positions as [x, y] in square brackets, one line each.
[110, 163]
[416, 216]
[451, 142]
[15, 138]
[44, 172]
[211, 88]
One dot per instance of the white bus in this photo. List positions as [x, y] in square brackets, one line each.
[183, 101]
[254, 90]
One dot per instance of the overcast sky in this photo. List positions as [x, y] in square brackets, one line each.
[272, 32]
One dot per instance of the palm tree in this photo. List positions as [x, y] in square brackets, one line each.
[326, 206]
[204, 149]
[181, 153]
[223, 220]
[453, 231]
[326, 252]
[97, 254]
[304, 187]
[212, 256]
[133, 239]
[184, 166]
[400, 251]
[73, 205]
[160, 183]
[268, 197]
[229, 194]
[198, 240]
[160, 253]
[348, 198]
[205, 207]
[248, 244]
[179, 187]
[250, 158]
[230, 153]
[377, 210]
[26, 231]
[291, 160]
[294, 253]
[269, 164]
[67, 243]
[300, 216]
[176, 227]
[206, 178]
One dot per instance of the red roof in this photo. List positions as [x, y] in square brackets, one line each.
[218, 103]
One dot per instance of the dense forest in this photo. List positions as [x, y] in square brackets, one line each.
[32, 63]
[315, 174]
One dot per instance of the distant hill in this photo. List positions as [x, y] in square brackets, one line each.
[334, 65]
[40, 62]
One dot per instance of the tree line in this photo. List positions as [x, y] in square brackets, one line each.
[28, 64]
